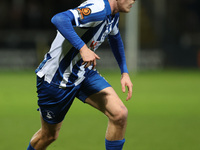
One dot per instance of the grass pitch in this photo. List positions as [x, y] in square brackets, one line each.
[164, 113]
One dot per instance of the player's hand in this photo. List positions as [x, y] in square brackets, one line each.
[126, 81]
[88, 56]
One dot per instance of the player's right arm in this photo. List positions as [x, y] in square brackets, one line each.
[64, 23]
[88, 56]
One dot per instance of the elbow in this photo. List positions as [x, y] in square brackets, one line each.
[56, 19]
[62, 18]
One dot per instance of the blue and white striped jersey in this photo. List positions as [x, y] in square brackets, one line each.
[62, 65]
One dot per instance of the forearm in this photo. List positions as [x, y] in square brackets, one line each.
[63, 22]
[118, 51]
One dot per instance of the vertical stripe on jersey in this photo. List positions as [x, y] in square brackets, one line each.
[102, 31]
[107, 26]
[66, 61]
[63, 65]
[116, 20]
[74, 75]
[47, 57]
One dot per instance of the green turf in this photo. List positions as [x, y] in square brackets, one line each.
[164, 113]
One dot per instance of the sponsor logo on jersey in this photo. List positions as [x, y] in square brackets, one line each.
[93, 45]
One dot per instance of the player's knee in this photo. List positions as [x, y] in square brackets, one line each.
[49, 138]
[120, 118]
[52, 138]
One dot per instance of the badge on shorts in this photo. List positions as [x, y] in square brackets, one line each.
[49, 114]
[83, 12]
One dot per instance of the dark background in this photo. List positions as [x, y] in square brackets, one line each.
[174, 32]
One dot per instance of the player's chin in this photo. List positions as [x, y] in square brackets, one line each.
[127, 10]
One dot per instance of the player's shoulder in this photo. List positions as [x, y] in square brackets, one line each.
[91, 11]
[96, 5]
[94, 2]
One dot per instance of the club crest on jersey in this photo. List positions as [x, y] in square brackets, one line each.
[83, 12]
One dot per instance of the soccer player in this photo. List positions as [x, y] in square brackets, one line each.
[68, 71]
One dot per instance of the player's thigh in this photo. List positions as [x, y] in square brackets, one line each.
[108, 102]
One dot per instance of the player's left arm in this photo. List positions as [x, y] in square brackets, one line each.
[117, 47]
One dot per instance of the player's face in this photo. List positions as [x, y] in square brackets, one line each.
[125, 5]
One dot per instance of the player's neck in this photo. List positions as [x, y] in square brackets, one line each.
[113, 6]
